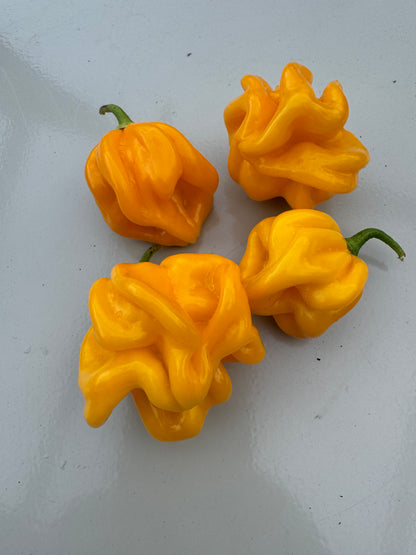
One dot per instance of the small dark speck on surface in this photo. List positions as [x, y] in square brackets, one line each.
[341, 496]
[189, 54]
[339, 523]
[317, 358]
[395, 81]
[318, 417]
[385, 165]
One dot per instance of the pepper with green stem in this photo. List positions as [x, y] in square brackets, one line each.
[298, 268]
[150, 182]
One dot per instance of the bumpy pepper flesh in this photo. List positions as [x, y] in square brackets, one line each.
[298, 268]
[167, 425]
[288, 143]
[149, 182]
[162, 333]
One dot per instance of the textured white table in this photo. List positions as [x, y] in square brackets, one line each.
[315, 451]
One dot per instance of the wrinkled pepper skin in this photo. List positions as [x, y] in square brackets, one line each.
[175, 426]
[288, 143]
[162, 333]
[297, 268]
[150, 183]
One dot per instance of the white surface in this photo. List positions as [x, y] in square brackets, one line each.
[315, 451]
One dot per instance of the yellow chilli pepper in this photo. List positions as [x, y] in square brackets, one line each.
[288, 143]
[298, 268]
[149, 182]
[162, 333]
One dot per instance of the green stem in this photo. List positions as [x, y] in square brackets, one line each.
[355, 242]
[122, 118]
[149, 253]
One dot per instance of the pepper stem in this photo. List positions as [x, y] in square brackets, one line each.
[149, 253]
[355, 242]
[122, 118]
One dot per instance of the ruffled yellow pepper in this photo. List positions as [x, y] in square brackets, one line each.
[298, 268]
[149, 182]
[162, 333]
[288, 143]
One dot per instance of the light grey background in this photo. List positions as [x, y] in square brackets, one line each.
[315, 451]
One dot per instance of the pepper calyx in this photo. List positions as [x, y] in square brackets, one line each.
[355, 242]
[122, 118]
[147, 255]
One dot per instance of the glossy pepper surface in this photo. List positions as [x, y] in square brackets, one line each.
[162, 332]
[149, 182]
[298, 268]
[286, 142]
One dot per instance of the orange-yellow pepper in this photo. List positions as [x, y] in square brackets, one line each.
[149, 182]
[288, 143]
[298, 268]
[162, 333]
